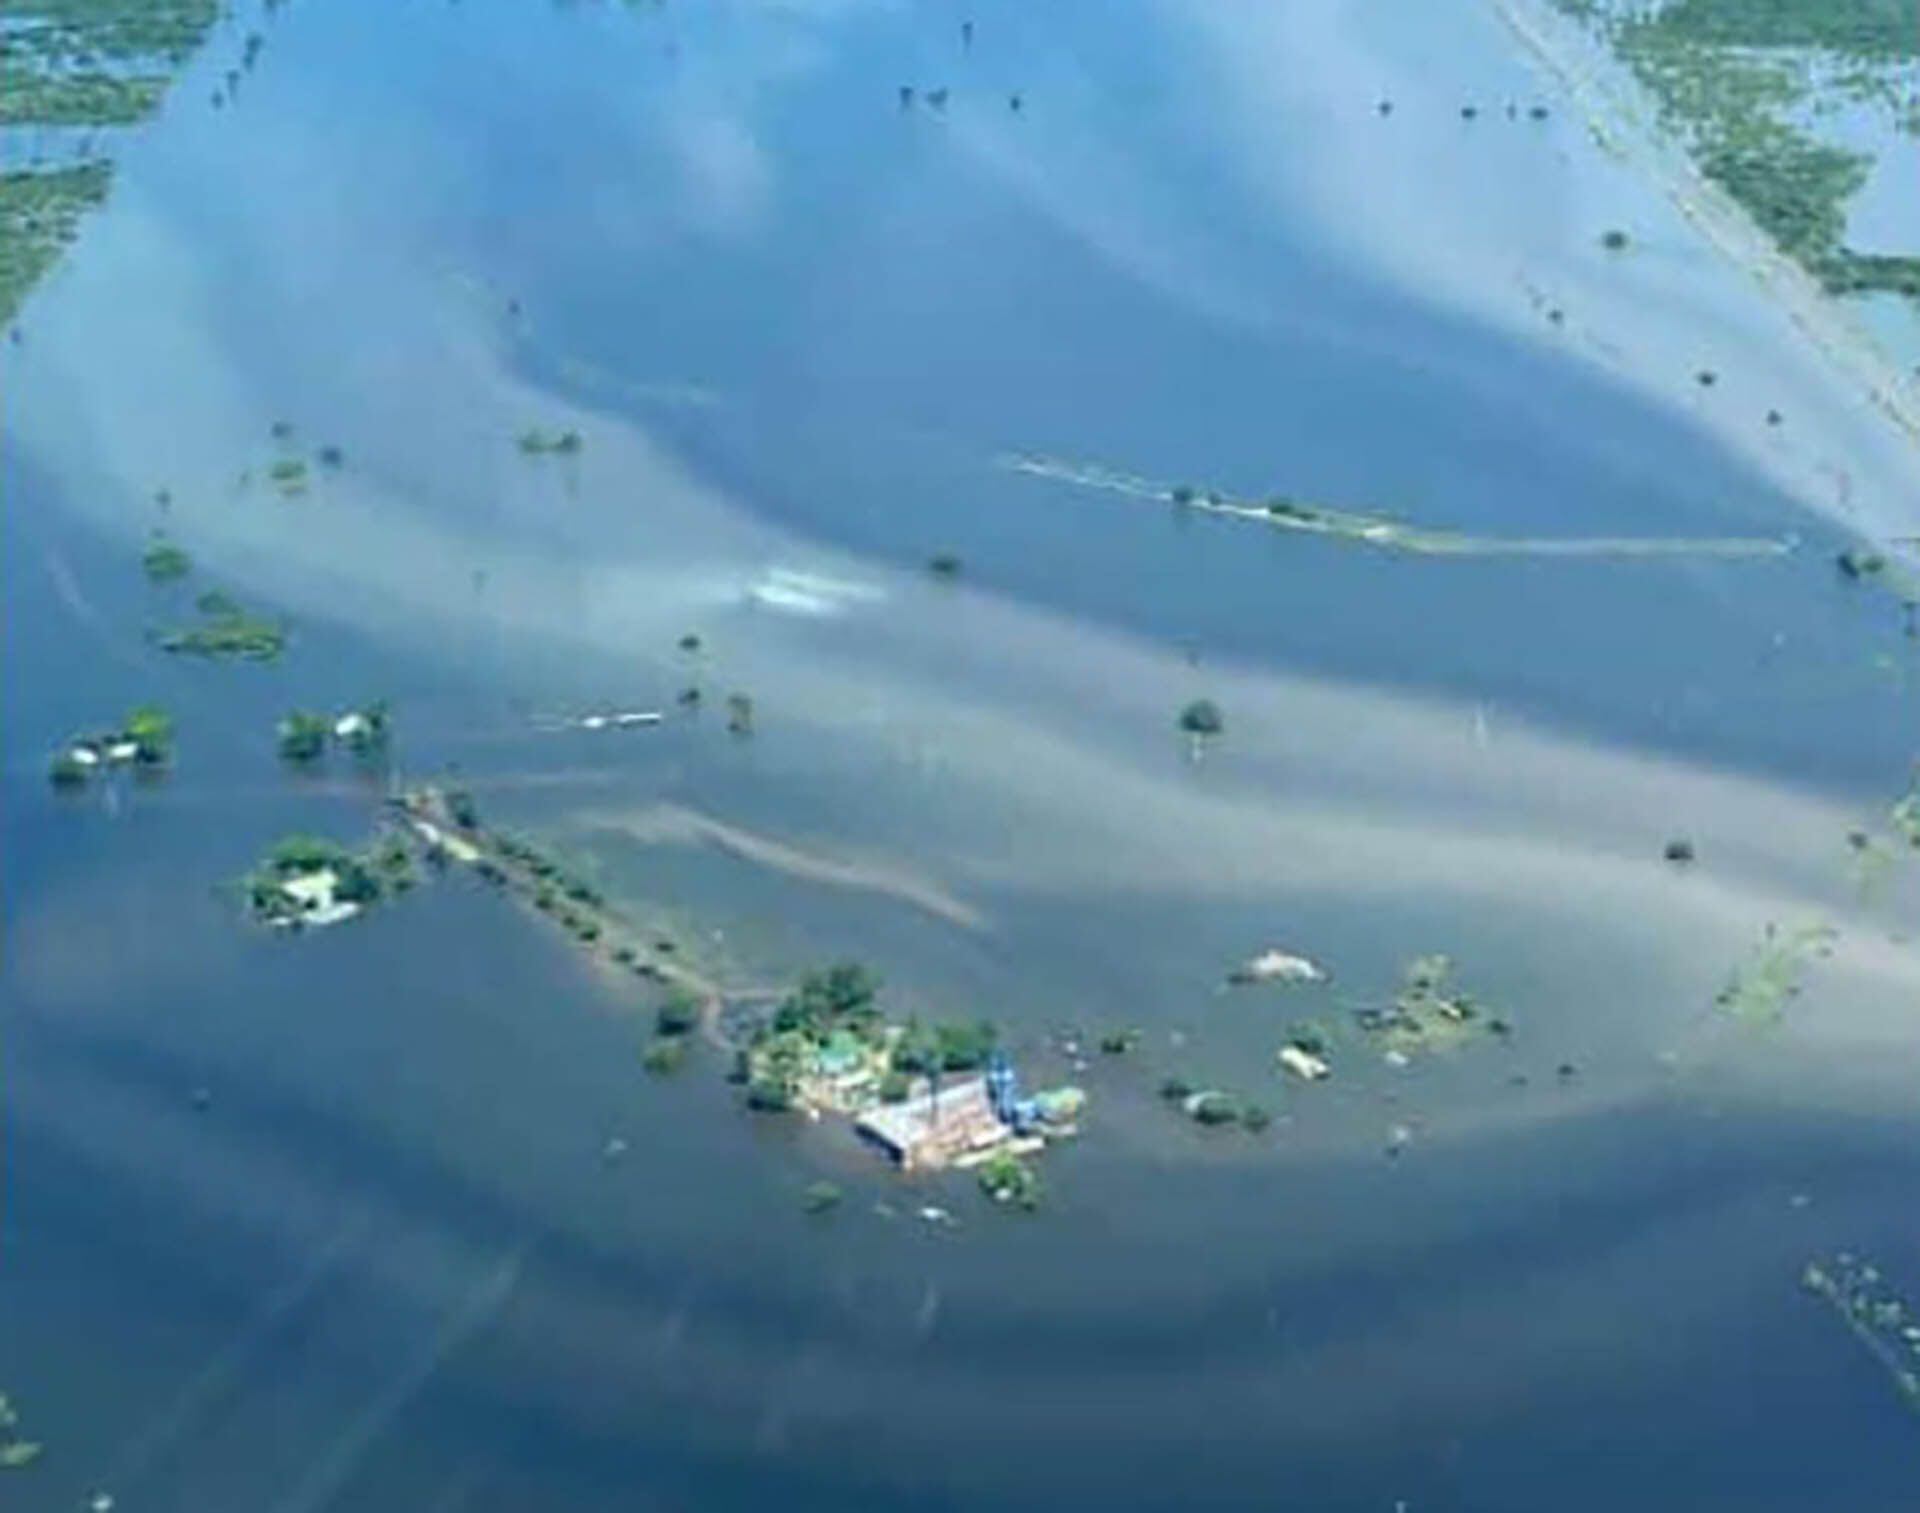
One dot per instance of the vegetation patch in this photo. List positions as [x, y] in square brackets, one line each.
[289, 475]
[1760, 990]
[77, 64]
[665, 1054]
[40, 211]
[1730, 78]
[1007, 1179]
[163, 562]
[225, 629]
[304, 737]
[1202, 718]
[308, 880]
[1428, 1014]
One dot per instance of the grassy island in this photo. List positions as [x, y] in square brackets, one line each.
[1429, 1014]
[163, 562]
[1760, 990]
[225, 629]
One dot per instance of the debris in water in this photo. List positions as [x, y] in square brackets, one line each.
[820, 1197]
[1274, 965]
[1305, 1064]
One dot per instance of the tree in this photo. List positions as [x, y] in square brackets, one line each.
[665, 1055]
[1202, 718]
[765, 1097]
[163, 562]
[303, 736]
[1614, 240]
[1005, 1178]
[150, 728]
[306, 853]
[357, 884]
[678, 1015]
[944, 565]
[963, 1047]
[67, 771]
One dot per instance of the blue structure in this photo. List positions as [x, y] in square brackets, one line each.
[1021, 1115]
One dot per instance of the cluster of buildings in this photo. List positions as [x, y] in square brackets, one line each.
[963, 1123]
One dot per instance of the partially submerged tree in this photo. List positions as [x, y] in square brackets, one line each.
[1202, 718]
[303, 736]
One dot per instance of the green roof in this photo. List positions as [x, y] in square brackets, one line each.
[843, 1052]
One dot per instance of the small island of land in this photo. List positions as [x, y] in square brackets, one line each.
[308, 880]
[163, 562]
[225, 629]
[144, 740]
[303, 736]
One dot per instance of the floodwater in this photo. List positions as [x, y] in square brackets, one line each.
[799, 327]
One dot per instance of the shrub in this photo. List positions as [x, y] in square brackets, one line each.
[1202, 718]
[679, 1015]
[664, 1056]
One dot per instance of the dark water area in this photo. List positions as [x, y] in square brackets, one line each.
[388, 1264]
[332, 1221]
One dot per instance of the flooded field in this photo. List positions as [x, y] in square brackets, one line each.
[621, 396]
